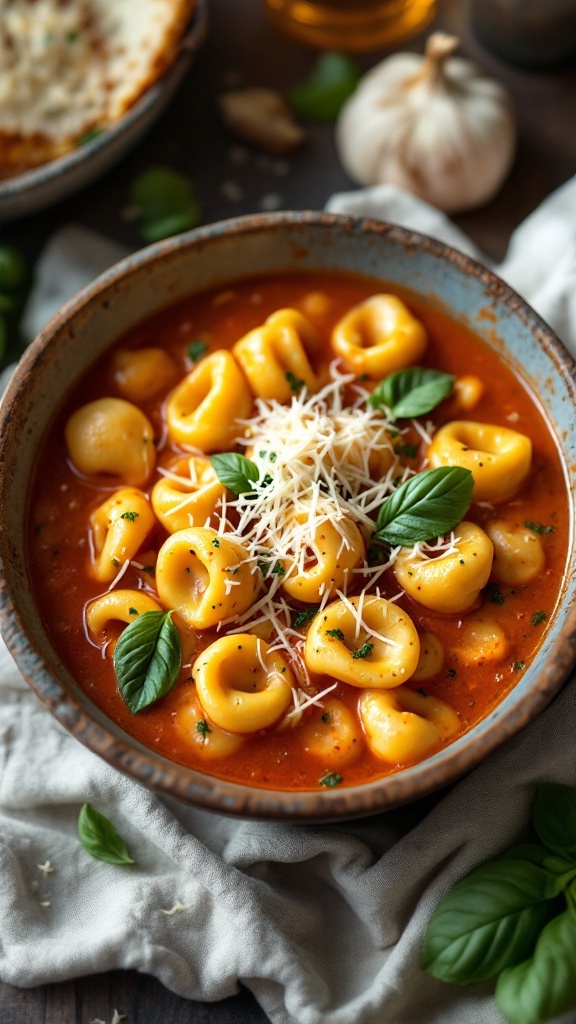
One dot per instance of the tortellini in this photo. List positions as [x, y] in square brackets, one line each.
[111, 436]
[450, 582]
[119, 527]
[275, 356]
[431, 658]
[243, 685]
[379, 336]
[392, 647]
[518, 553]
[334, 552]
[480, 639]
[498, 458]
[210, 742]
[188, 496]
[203, 411]
[205, 577]
[333, 735]
[403, 725]
[467, 391]
[141, 373]
[117, 606]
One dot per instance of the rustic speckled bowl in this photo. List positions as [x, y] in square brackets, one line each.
[45, 185]
[155, 277]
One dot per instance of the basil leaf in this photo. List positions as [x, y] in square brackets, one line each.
[554, 816]
[235, 471]
[166, 203]
[100, 839]
[412, 392]
[147, 659]
[490, 920]
[427, 505]
[333, 80]
[544, 986]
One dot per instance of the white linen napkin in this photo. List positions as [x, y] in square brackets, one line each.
[323, 923]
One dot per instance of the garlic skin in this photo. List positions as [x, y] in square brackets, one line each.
[430, 125]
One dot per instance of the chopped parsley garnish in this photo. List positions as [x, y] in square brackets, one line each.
[326, 716]
[304, 617]
[330, 780]
[363, 651]
[496, 595]
[451, 673]
[115, 562]
[279, 570]
[408, 451]
[336, 633]
[215, 543]
[267, 569]
[132, 611]
[203, 728]
[518, 666]
[130, 515]
[538, 617]
[295, 383]
[538, 527]
[196, 350]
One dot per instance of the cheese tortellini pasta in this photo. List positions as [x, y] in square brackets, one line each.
[403, 725]
[379, 336]
[117, 606]
[452, 581]
[518, 553]
[334, 643]
[112, 436]
[119, 527]
[141, 373]
[498, 458]
[205, 577]
[209, 741]
[242, 685]
[275, 357]
[333, 553]
[188, 495]
[333, 735]
[203, 410]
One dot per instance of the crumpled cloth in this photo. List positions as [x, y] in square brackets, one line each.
[324, 924]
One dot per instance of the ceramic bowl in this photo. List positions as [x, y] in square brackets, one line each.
[44, 185]
[144, 283]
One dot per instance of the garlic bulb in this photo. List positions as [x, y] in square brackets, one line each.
[431, 125]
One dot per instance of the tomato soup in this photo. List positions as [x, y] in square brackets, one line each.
[353, 510]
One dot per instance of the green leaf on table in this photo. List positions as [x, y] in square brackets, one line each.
[489, 921]
[147, 659]
[235, 471]
[333, 80]
[554, 817]
[100, 839]
[543, 987]
[426, 506]
[166, 203]
[13, 269]
[412, 392]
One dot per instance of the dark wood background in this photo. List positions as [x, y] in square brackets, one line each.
[189, 137]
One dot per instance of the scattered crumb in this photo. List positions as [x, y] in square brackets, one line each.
[174, 910]
[513, 417]
[46, 868]
[238, 155]
[45, 903]
[232, 191]
[271, 201]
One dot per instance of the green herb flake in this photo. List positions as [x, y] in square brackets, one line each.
[72, 37]
[337, 634]
[132, 611]
[330, 780]
[132, 516]
[539, 617]
[407, 451]
[100, 839]
[333, 80]
[296, 384]
[538, 527]
[496, 595]
[363, 652]
[518, 666]
[197, 350]
[115, 562]
[215, 543]
[89, 136]
[325, 717]
[278, 570]
[304, 617]
[203, 728]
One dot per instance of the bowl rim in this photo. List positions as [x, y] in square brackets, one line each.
[171, 779]
[18, 185]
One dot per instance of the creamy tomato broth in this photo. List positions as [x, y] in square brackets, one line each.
[411, 645]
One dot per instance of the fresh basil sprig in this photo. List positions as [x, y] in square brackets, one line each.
[100, 839]
[147, 659]
[426, 506]
[412, 392]
[333, 80]
[235, 471]
[503, 919]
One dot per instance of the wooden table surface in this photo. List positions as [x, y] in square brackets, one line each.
[241, 46]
